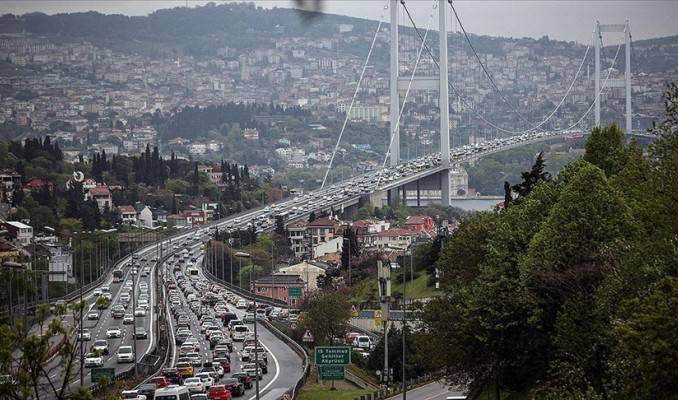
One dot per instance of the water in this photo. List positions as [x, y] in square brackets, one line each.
[475, 204]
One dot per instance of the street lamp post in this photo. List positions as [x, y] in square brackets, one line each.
[241, 255]
[11, 266]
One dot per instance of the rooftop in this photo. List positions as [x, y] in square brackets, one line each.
[279, 279]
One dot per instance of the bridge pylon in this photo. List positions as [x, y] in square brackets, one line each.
[439, 83]
[624, 28]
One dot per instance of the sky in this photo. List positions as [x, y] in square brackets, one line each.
[563, 20]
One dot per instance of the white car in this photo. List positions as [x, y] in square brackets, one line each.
[140, 312]
[125, 354]
[194, 385]
[85, 335]
[113, 332]
[128, 319]
[92, 315]
[206, 378]
[92, 360]
[97, 292]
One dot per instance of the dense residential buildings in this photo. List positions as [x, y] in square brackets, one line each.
[111, 108]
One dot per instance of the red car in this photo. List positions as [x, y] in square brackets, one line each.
[160, 381]
[219, 392]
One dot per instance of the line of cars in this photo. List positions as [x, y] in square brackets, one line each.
[113, 332]
[210, 339]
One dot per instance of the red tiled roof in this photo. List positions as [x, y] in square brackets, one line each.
[127, 209]
[394, 232]
[416, 220]
[297, 224]
[37, 183]
[100, 191]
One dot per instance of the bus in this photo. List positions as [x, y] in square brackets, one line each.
[192, 272]
[117, 276]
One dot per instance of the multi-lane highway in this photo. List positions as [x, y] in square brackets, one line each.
[284, 366]
[97, 328]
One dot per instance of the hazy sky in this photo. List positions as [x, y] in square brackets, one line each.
[564, 20]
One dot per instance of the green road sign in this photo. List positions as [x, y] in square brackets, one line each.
[294, 292]
[332, 372]
[333, 355]
[99, 372]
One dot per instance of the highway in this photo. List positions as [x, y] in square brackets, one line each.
[98, 327]
[431, 391]
[284, 365]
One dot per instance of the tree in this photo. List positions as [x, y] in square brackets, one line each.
[375, 362]
[311, 216]
[350, 247]
[647, 344]
[279, 225]
[327, 316]
[326, 281]
[530, 178]
[27, 357]
[605, 149]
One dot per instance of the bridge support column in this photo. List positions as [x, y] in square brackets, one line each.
[445, 187]
[394, 110]
[444, 107]
[418, 195]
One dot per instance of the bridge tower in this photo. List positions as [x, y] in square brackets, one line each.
[439, 83]
[624, 28]
[393, 86]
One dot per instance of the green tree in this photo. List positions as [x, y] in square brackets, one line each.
[532, 177]
[327, 316]
[605, 149]
[27, 358]
[350, 247]
[647, 345]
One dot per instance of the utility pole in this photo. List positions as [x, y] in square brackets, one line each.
[242, 255]
[384, 276]
[82, 311]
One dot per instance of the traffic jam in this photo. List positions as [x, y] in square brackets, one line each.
[215, 353]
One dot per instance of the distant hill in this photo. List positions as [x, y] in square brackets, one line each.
[191, 31]
[200, 31]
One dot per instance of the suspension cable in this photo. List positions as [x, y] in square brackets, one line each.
[463, 99]
[355, 93]
[602, 88]
[484, 68]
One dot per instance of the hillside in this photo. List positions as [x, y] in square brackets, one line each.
[201, 31]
